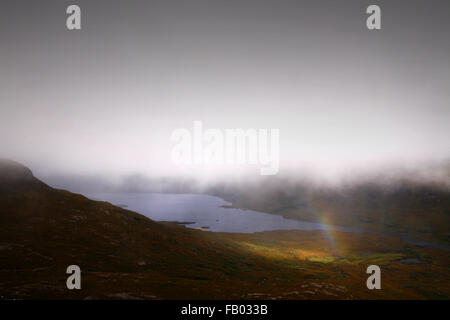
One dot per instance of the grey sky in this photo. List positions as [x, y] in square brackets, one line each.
[106, 98]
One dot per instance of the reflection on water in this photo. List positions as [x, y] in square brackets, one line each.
[207, 212]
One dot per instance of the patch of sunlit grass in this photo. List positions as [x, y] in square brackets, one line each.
[378, 259]
[285, 253]
[322, 259]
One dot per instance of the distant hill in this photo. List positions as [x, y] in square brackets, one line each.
[398, 206]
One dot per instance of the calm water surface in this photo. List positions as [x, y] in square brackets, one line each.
[207, 212]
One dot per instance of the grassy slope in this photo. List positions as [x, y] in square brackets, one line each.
[125, 255]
